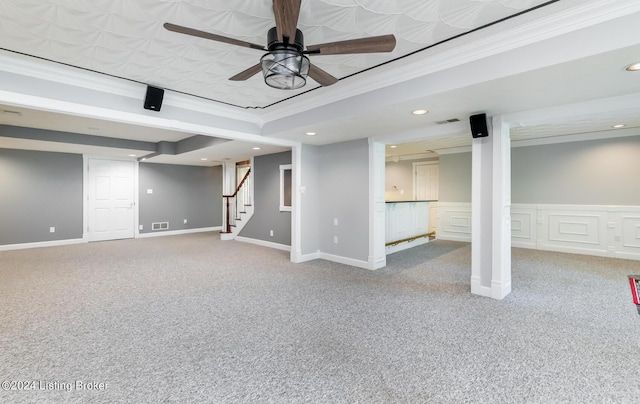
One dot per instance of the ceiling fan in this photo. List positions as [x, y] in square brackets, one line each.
[285, 65]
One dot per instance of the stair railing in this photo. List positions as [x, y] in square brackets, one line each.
[236, 204]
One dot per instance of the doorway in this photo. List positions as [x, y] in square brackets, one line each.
[110, 199]
[425, 181]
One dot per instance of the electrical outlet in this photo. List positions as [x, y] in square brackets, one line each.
[271, 233]
[52, 229]
[141, 227]
[335, 239]
[185, 221]
[335, 221]
[149, 191]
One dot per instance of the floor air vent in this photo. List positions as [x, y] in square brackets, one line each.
[160, 226]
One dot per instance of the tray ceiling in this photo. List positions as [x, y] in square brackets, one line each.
[126, 39]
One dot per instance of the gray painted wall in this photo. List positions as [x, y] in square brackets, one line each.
[400, 175]
[455, 178]
[180, 192]
[267, 215]
[596, 172]
[39, 190]
[344, 195]
[310, 200]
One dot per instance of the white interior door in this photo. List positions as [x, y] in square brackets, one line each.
[111, 199]
[426, 181]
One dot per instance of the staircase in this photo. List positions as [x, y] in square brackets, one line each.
[238, 208]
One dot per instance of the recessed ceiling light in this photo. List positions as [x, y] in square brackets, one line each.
[419, 112]
[633, 67]
[311, 133]
[133, 155]
[204, 159]
[256, 148]
[618, 126]
[393, 146]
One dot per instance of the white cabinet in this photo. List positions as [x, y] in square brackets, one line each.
[405, 220]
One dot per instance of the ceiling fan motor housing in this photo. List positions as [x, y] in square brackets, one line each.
[274, 43]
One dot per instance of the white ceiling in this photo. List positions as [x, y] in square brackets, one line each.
[556, 56]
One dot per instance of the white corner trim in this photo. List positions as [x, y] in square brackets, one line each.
[179, 232]
[55, 243]
[263, 243]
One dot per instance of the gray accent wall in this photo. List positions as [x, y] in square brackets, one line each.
[596, 172]
[267, 215]
[455, 178]
[179, 193]
[344, 195]
[40, 190]
[593, 172]
[309, 199]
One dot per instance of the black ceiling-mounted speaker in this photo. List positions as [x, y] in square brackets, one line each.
[479, 125]
[153, 99]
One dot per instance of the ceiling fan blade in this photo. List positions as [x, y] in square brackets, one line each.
[213, 37]
[374, 44]
[323, 78]
[247, 74]
[286, 13]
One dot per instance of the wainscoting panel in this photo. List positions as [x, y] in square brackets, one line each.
[454, 221]
[574, 229]
[608, 231]
[523, 226]
[433, 216]
[625, 224]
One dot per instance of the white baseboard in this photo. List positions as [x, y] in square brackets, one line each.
[55, 243]
[300, 258]
[478, 289]
[344, 260]
[263, 243]
[374, 263]
[178, 232]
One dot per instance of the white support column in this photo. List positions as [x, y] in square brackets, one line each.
[491, 212]
[377, 207]
[501, 225]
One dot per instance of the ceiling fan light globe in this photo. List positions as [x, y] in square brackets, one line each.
[285, 69]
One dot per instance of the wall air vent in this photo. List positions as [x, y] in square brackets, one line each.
[160, 226]
[446, 121]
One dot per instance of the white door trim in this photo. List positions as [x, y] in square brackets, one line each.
[85, 193]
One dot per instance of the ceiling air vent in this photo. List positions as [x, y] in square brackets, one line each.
[452, 120]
